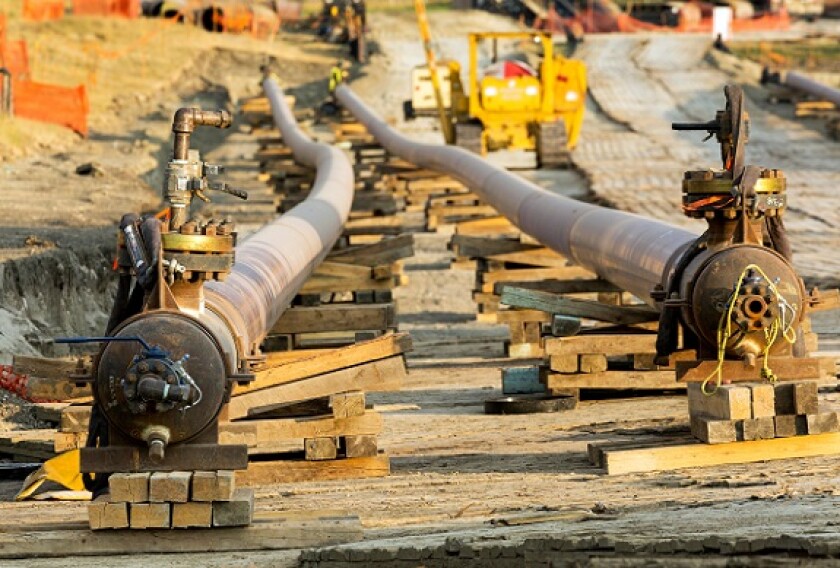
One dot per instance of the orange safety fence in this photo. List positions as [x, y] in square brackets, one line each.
[124, 8]
[14, 57]
[67, 106]
[42, 10]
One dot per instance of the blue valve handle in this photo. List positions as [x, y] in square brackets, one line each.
[136, 338]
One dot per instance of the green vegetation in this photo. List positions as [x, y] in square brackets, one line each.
[817, 54]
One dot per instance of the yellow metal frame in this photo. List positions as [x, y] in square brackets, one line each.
[517, 129]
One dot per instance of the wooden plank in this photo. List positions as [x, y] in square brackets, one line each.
[521, 315]
[609, 344]
[540, 256]
[44, 367]
[382, 375]
[320, 363]
[488, 279]
[614, 380]
[668, 458]
[482, 247]
[384, 251]
[336, 317]
[556, 286]
[295, 471]
[270, 531]
[490, 226]
[821, 369]
[557, 304]
[256, 433]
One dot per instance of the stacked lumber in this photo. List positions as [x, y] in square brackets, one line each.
[304, 417]
[172, 499]
[757, 411]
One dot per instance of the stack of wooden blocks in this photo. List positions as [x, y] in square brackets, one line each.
[757, 411]
[176, 499]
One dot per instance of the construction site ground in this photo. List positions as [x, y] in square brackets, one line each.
[462, 482]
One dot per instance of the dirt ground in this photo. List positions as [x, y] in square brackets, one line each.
[457, 473]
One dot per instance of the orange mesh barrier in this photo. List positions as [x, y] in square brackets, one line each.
[13, 56]
[2, 29]
[124, 8]
[67, 106]
[265, 23]
[233, 17]
[41, 10]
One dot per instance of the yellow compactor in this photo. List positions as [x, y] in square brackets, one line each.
[510, 104]
[541, 111]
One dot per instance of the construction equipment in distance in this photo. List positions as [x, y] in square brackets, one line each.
[511, 105]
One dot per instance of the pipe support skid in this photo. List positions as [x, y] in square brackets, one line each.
[630, 251]
[273, 264]
[801, 82]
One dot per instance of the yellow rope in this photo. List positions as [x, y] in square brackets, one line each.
[771, 334]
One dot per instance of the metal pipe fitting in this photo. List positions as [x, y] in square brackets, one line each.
[802, 83]
[185, 121]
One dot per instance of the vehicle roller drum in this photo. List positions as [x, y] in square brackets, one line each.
[709, 281]
[179, 335]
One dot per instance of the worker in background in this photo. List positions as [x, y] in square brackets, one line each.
[720, 45]
[337, 76]
[360, 10]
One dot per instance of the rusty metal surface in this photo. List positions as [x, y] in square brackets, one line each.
[631, 251]
[272, 265]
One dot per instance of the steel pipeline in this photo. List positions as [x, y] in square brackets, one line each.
[272, 265]
[631, 251]
[698, 277]
[801, 82]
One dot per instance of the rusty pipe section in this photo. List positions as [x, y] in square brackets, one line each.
[185, 121]
[628, 250]
[272, 265]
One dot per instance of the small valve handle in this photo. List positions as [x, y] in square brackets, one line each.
[126, 338]
[225, 188]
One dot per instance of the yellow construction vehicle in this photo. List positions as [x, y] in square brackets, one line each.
[513, 105]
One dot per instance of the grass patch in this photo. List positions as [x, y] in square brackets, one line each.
[817, 54]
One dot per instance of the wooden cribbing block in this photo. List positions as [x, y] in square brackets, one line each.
[593, 363]
[789, 425]
[382, 375]
[213, 486]
[557, 304]
[237, 512]
[564, 363]
[727, 402]
[65, 441]
[293, 471]
[763, 400]
[192, 515]
[149, 515]
[170, 487]
[606, 344]
[712, 431]
[74, 419]
[264, 433]
[360, 446]
[800, 397]
[823, 423]
[129, 487]
[613, 380]
[317, 449]
[103, 514]
[285, 371]
[762, 428]
[348, 404]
